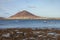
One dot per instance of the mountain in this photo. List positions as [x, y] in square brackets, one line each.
[1, 18]
[27, 15]
[24, 15]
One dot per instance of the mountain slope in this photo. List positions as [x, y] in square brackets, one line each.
[24, 15]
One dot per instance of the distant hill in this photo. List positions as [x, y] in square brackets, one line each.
[27, 15]
[24, 15]
[1, 18]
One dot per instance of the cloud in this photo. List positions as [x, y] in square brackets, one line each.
[4, 11]
[32, 7]
[1, 8]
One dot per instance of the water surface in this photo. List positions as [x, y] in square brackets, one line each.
[29, 23]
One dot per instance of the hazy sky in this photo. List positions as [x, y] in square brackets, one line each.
[46, 8]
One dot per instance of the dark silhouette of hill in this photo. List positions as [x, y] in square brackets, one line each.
[1, 18]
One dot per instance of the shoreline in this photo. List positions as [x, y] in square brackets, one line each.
[29, 19]
[30, 34]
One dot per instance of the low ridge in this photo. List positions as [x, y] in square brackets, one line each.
[2, 18]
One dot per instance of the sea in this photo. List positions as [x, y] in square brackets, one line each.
[29, 24]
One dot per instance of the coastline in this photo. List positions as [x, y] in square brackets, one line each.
[23, 33]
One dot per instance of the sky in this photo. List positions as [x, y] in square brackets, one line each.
[46, 8]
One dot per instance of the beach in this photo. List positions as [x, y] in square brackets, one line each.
[29, 34]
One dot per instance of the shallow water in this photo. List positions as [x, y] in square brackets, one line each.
[29, 23]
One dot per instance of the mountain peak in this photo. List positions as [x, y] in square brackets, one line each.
[24, 11]
[24, 15]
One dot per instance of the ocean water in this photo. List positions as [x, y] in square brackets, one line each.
[29, 23]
